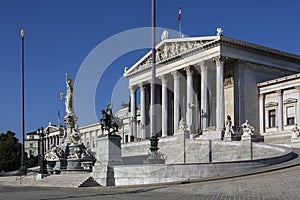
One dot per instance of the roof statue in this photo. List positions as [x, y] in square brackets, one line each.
[165, 35]
[219, 31]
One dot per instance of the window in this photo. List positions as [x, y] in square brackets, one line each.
[272, 118]
[290, 115]
[30, 145]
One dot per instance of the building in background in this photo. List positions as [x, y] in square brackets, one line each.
[32, 144]
[279, 108]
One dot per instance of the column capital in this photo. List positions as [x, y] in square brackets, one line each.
[163, 79]
[155, 81]
[261, 96]
[132, 88]
[189, 70]
[278, 92]
[219, 60]
[175, 74]
[142, 86]
[202, 65]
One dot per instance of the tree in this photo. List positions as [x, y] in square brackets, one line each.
[32, 161]
[10, 152]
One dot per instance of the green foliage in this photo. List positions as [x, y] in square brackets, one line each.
[10, 152]
[32, 161]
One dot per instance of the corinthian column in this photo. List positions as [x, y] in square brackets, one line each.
[164, 114]
[220, 107]
[204, 98]
[175, 75]
[143, 111]
[133, 112]
[280, 110]
[190, 100]
[261, 114]
[298, 107]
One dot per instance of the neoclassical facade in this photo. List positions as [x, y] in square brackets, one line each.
[201, 80]
[279, 105]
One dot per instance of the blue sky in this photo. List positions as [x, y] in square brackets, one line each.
[59, 36]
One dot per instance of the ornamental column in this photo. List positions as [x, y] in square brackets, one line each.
[143, 111]
[280, 111]
[204, 96]
[133, 113]
[220, 107]
[298, 107]
[164, 104]
[261, 113]
[175, 75]
[190, 100]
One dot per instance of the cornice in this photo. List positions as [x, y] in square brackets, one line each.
[260, 49]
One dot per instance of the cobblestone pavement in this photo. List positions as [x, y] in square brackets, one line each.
[282, 184]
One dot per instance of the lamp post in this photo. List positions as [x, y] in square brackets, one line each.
[23, 165]
[43, 169]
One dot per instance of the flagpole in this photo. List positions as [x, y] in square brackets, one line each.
[179, 20]
[180, 35]
[58, 118]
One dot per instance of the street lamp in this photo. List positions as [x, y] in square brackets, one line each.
[22, 170]
[43, 169]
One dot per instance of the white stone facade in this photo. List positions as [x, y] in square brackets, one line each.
[279, 105]
[202, 80]
[32, 144]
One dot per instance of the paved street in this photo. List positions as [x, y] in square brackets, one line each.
[283, 184]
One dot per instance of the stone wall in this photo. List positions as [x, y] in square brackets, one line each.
[149, 174]
[198, 151]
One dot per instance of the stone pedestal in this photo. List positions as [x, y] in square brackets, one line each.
[246, 137]
[41, 176]
[108, 155]
[74, 164]
[60, 164]
[212, 134]
[182, 136]
[246, 147]
[227, 137]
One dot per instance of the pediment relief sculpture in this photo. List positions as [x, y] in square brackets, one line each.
[168, 50]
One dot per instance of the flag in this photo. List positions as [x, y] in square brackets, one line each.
[179, 14]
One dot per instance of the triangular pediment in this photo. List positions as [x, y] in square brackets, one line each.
[51, 129]
[168, 49]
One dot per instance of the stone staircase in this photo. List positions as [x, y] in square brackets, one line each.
[79, 179]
